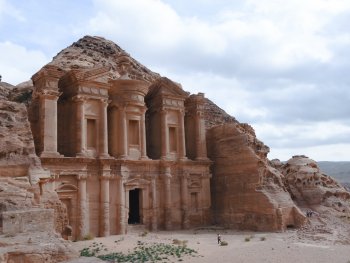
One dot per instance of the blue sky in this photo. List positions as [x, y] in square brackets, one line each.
[281, 66]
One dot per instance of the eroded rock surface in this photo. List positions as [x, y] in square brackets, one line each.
[310, 187]
[92, 51]
[27, 226]
[247, 193]
[320, 196]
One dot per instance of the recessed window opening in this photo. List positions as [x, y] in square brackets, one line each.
[172, 139]
[91, 133]
[134, 132]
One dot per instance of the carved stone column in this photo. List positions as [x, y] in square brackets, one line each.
[164, 135]
[48, 123]
[154, 225]
[104, 204]
[143, 136]
[122, 213]
[80, 126]
[184, 200]
[83, 228]
[124, 134]
[182, 145]
[167, 201]
[103, 140]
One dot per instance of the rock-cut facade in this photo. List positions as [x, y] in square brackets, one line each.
[124, 146]
[121, 151]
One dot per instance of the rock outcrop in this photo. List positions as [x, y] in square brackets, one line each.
[92, 51]
[27, 226]
[308, 186]
[319, 196]
[247, 193]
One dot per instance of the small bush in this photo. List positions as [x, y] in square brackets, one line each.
[262, 238]
[223, 243]
[89, 237]
[180, 242]
[247, 239]
[143, 234]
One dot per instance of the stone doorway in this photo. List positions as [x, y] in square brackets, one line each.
[134, 206]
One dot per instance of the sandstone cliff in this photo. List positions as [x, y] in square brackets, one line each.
[247, 193]
[23, 204]
[17, 154]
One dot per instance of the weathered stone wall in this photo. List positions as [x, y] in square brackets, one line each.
[246, 192]
[29, 220]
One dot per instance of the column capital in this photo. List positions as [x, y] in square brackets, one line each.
[82, 176]
[185, 175]
[79, 99]
[104, 101]
[106, 176]
[49, 94]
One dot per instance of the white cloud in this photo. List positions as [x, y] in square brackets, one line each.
[279, 65]
[8, 10]
[18, 64]
[331, 152]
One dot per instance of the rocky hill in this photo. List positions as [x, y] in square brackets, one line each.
[92, 51]
[312, 190]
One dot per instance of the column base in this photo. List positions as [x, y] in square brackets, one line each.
[47, 154]
[123, 157]
[183, 158]
[202, 159]
[104, 156]
[165, 158]
[144, 158]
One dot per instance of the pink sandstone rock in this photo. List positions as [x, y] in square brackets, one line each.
[247, 193]
[308, 186]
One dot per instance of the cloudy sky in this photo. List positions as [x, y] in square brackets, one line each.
[281, 66]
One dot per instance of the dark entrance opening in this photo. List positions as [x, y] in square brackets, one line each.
[134, 206]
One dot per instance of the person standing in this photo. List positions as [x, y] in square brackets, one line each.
[219, 239]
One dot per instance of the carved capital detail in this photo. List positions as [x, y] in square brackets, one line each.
[82, 176]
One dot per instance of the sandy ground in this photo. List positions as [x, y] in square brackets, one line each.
[291, 246]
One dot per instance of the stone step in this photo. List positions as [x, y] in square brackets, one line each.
[136, 228]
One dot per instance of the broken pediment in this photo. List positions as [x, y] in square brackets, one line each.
[136, 183]
[92, 82]
[47, 78]
[167, 88]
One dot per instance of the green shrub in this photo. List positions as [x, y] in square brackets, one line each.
[247, 239]
[223, 243]
[89, 237]
[143, 234]
[262, 238]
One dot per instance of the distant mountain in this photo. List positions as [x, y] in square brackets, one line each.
[338, 170]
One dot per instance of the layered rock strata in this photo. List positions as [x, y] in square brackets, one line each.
[247, 193]
[26, 210]
[308, 186]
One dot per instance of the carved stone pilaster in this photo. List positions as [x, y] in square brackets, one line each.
[48, 122]
[105, 177]
[167, 201]
[83, 227]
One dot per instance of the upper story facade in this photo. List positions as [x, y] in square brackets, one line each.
[86, 113]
